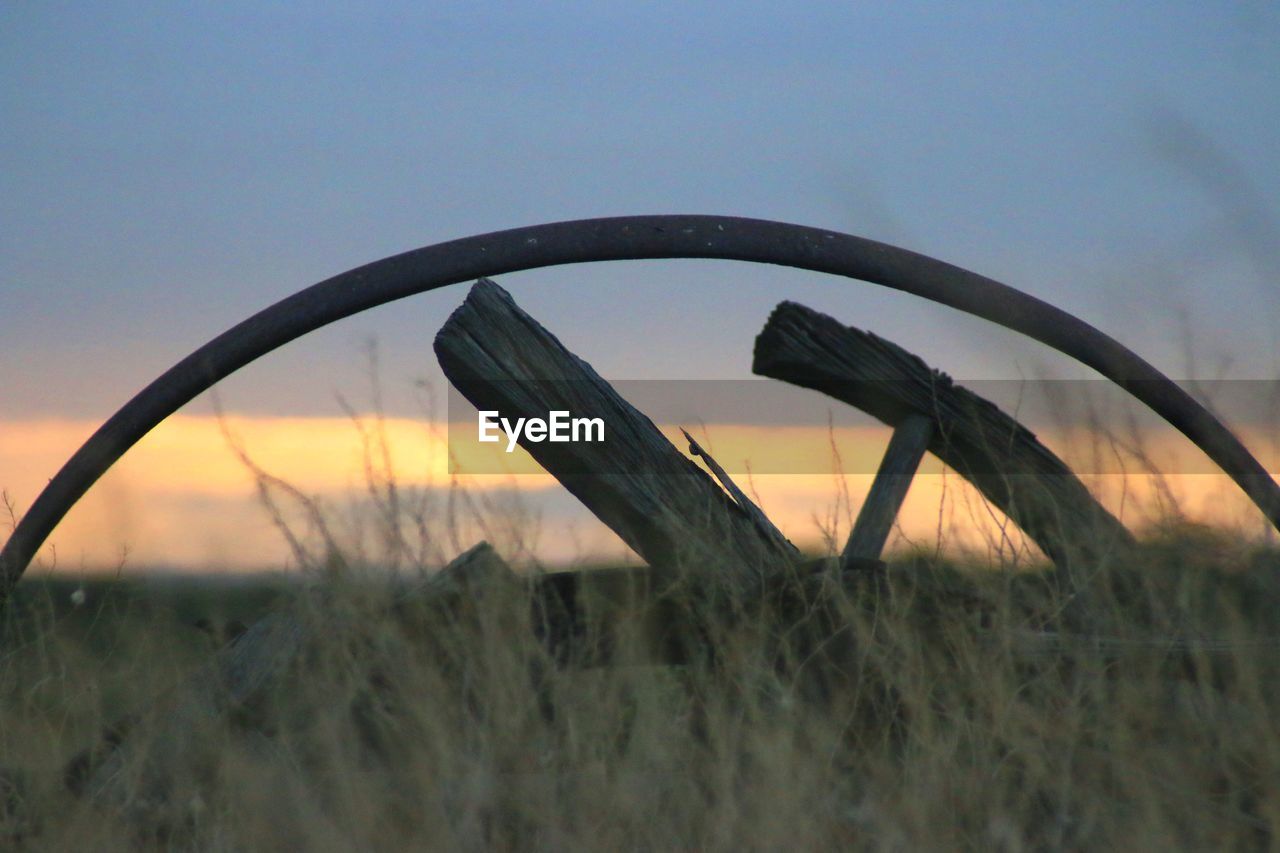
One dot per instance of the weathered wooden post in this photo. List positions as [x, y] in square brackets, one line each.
[654, 497]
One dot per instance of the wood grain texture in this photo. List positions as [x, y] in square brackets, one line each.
[1004, 460]
[654, 497]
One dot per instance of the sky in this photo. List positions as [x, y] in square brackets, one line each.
[166, 170]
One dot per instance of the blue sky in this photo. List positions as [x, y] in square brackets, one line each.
[167, 170]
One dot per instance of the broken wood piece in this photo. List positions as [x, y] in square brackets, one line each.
[762, 521]
[640, 485]
[1001, 458]
[888, 491]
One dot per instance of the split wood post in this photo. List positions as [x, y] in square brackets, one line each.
[1001, 458]
[655, 498]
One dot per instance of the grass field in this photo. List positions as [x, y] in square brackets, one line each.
[924, 726]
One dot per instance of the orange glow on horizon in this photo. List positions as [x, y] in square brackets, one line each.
[183, 498]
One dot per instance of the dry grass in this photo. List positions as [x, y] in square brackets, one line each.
[907, 716]
[922, 726]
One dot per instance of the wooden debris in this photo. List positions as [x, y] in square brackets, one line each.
[1015, 472]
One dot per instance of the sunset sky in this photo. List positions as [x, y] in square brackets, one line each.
[166, 171]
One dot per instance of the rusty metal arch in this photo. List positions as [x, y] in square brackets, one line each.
[624, 238]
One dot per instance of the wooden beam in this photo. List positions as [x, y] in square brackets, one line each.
[888, 490]
[1008, 465]
[654, 497]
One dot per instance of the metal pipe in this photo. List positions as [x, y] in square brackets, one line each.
[623, 238]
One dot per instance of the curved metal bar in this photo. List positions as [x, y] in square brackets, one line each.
[623, 238]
